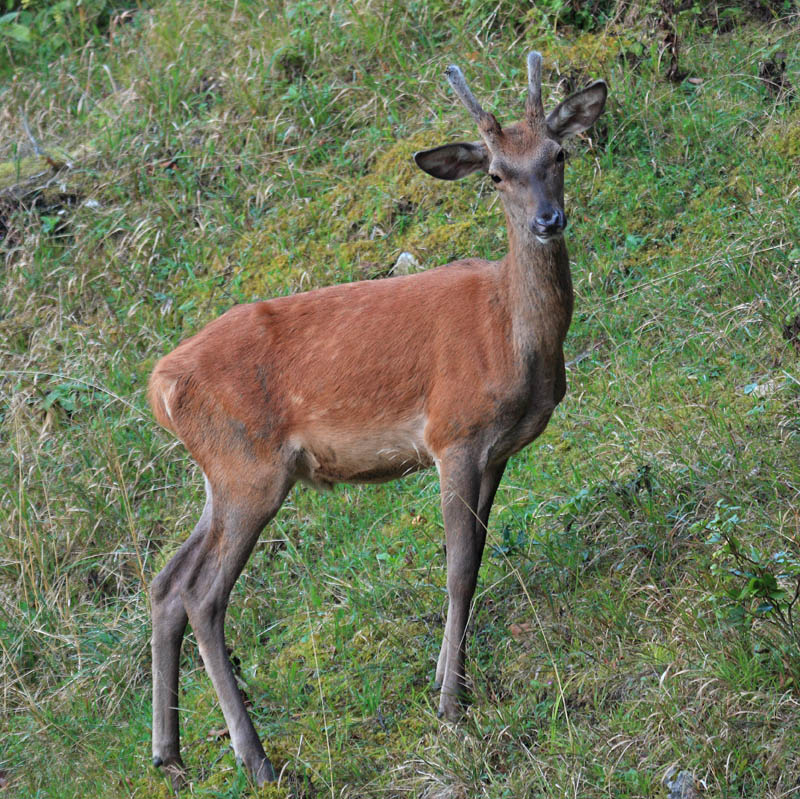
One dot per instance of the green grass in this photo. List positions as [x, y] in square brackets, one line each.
[245, 150]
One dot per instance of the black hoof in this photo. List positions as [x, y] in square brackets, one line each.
[157, 761]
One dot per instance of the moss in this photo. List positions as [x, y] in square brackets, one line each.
[152, 785]
[787, 138]
[355, 230]
[272, 791]
[19, 171]
[738, 187]
[591, 52]
[448, 240]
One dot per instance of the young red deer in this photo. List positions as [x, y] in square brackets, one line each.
[460, 367]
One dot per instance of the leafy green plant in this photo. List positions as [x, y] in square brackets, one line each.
[66, 395]
[38, 26]
[583, 16]
[757, 584]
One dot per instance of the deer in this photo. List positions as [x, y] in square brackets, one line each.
[457, 367]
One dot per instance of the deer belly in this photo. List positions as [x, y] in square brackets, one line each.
[365, 455]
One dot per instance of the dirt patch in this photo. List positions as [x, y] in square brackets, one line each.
[773, 74]
[791, 332]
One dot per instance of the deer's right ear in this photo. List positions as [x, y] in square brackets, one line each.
[453, 161]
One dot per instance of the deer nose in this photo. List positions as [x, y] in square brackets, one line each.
[550, 222]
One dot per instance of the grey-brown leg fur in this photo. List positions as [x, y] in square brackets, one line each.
[467, 498]
[169, 624]
[195, 586]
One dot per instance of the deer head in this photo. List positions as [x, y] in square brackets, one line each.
[525, 160]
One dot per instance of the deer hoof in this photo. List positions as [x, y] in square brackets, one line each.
[451, 707]
[173, 768]
[264, 773]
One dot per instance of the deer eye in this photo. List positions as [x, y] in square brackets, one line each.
[495, 177]
[561, 157]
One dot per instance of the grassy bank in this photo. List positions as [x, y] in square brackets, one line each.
[634, 610]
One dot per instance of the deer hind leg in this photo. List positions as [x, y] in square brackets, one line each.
[466, 503]
[169, 624]
[237, 520]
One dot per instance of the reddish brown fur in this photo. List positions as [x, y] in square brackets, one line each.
[230, 388]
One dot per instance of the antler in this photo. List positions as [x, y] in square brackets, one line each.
[486, 122]
[533, 108]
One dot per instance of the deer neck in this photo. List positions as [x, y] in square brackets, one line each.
[540, 295]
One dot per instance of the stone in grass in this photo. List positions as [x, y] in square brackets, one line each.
[406, 264]
[679, 784]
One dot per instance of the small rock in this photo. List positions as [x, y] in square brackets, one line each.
[767, 388]
[680, 784]
[762, 389]
[406, 264]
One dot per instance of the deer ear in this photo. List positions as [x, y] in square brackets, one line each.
[578, 112]
[453, 161]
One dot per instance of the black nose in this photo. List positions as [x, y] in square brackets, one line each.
[552, 221]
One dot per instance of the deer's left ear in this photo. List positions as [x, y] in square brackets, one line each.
[578, 112]
[453, 161]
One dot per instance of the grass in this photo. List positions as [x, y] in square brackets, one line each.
[246, 150]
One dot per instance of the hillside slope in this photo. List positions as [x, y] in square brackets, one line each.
[635, 607]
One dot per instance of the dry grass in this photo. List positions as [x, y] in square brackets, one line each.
[246, 150]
